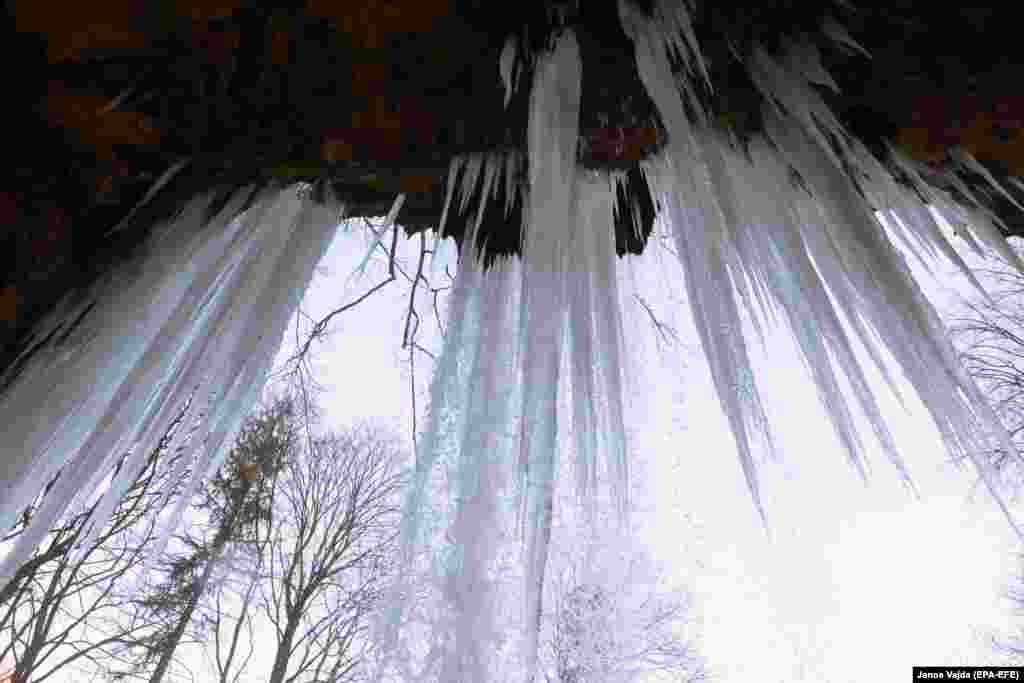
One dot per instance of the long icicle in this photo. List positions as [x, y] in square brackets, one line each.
[732, 249]
[552, 139]
[207, 305]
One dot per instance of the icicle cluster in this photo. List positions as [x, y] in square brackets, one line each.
[501, 365]
[783, 232]
[786, 232]
[489, 172]
[200, 313]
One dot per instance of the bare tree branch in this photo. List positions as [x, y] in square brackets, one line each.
[665, 332]
[69, 604]
[337, 520]
[321, 326]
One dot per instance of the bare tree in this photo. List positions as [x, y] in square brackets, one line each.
[231, 646]
[336, 520]
[619, 631]
[583, 643]
[989, 334]
[54, 549]
[611, 616]
[71, 604]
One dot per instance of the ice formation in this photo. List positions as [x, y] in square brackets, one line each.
[201, 312]
[778, 233]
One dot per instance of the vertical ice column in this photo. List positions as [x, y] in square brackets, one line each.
[552, 140]
[200, 311]
[702, 226]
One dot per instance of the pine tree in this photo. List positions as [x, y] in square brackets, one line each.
[237, 504]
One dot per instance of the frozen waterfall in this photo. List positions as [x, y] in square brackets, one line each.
[202, 311]
[778, 233]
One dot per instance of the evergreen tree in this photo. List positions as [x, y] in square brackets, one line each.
[237, 504]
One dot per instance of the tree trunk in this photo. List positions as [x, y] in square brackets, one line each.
[184, 619]
[27, 570]
[284, 651]
[219, 542]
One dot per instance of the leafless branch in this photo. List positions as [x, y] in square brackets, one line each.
[665, 332]
[406, 339]
[337, 516]
[321, 326]
[75, 607]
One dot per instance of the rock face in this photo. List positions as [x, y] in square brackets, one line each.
[125, 110]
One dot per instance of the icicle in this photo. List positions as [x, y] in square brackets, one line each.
[157, 185]
[941, 204]
[658, 38]
[699, 232]
[777, 84]
[482, 477]
[445, 255]
[746, 235]
[596, 216]
[38, 413]
[968, 160]
[568, 267]
[772, 226]
[834, 30]
[395, 208]
[552, 139]
[454, 167]
[378, 236]
[582, 353]
[473, 165]
[710, 293]
[205, 308]
[985, 228]
[596, 339]
[209, 306]
[471, 396]
[805, 60]
[511, 180]
[448, 381]
[674, 20]
[897, 217]
[905, 321]
[505, 67]
[493, 165]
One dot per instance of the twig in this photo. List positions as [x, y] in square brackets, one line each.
[322, 324]
[424, 351]
[437, 313]
[412, 294]
[664, 331]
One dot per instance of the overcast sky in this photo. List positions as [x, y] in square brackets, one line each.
[854, 583]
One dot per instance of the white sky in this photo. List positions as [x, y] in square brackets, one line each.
[857, 583]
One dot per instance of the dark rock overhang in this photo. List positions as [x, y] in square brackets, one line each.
[377, 98]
